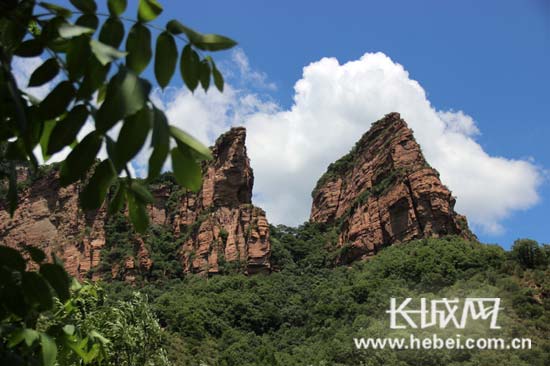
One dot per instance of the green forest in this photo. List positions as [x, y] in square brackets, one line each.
[306, 312]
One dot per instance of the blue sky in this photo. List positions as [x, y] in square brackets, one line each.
[489, 59]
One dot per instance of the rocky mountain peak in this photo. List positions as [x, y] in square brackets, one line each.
[229, 177]
[219, 224]
[384, 192]
[215, 227]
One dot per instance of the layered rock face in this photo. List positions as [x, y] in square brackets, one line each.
[384, 192]
[217, 225]
[48, 217]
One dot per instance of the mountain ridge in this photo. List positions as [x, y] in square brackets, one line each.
[217, 224]
[384, 192]
[381, 193]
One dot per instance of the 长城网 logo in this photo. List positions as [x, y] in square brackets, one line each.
[443, 313]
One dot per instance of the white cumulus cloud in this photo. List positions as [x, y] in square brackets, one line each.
[334, 104]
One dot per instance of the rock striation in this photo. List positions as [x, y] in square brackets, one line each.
[48, 217]
[217, 227]
[384, 192]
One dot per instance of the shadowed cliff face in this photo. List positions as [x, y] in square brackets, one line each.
[384, 192]
[217, 224]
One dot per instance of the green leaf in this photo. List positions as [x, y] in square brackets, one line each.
[59, 45]
[94, 193]
[183, 137]
[206, 42]
[141, 193]
[67, 30]
[118, 200]
[166, 58]
[214, 42]
[59, 10]
[101, 93]
[95, 76]
[218, 78]
[13, 298]
[138, 46]
[49, 350]
[11, 258]
[111, 151]
[58, 100]
[190, 67]
[116, 7]
[29, 48]
[22, 334]
[138, 214]
[112, 32]
[88, 21]
[49, 32]
[205, 74]
[45, 137]
[36, 290]
[161, 131]
[160, 142]
[75, 285]
[78, 54]
[104, 53]
[80, 159]
[13, 29]
[35, 253]
[87, 6]
[97, 336]
[66, 130]
[57, 278]
[132, 136]
[125, 95]
[44, 73]
[148, 10]
[175, 27]
[186, 170]
[69, 329]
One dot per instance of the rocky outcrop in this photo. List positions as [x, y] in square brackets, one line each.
[48, 217]
[384, 192]
[217, 227]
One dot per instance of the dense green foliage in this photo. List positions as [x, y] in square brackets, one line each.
[129, 329]
[308, 311]
[47, 320]
[37, 312]
[92, 83]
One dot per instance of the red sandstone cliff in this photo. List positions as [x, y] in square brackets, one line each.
[218, 224]
[384, 192]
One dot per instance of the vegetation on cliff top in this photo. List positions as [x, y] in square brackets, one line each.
[345, 164]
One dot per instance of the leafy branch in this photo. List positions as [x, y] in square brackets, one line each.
[81, 55]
